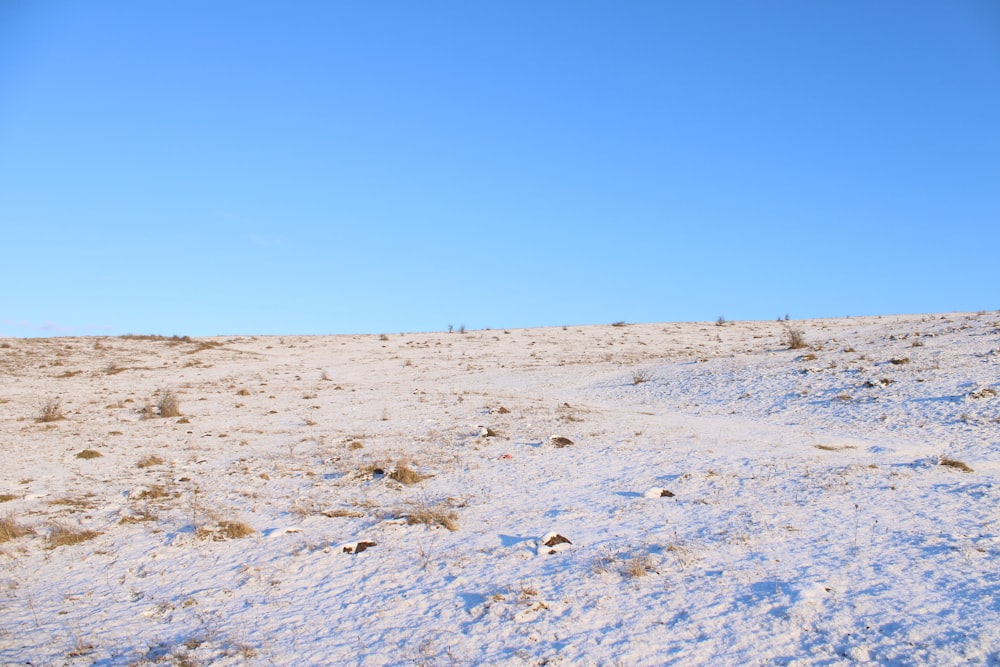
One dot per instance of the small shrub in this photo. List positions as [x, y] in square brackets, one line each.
[88, 454]
[640, 376]
[795, 338]
[6, 497]
[721, 322]
[51, 412]
[619, 323]
[168, 405]
[10, 529]
[902, 361]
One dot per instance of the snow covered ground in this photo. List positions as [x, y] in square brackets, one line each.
[649, 494]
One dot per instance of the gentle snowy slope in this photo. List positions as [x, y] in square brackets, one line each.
[718, 497]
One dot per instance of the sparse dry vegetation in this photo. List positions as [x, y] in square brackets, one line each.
[431, 515]
[404, 474]
[639, 566]
[795, 338]
[956, 464]
[11, 528]
[51, 412]
[756, 495]
[61, 535]
[641, 375]
[225, 529]
[149, 461]
[168, 404]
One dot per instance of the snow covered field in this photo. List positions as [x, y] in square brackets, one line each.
[389, 500]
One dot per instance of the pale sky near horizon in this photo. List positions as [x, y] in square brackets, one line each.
[208, 168]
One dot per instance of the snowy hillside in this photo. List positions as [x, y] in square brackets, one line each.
[678, 494]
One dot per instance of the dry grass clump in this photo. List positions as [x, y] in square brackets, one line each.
[834, 448]
[639, 566]
[641, 375]
[956, 464]
[61, 536]
[149, 461]
[76, 503]
[51, 412]
[400, 472]
[985, 392]
[343, 513]
[88, 454]
[11, 529]
[404, 474]
[170, 339]
[6, 497]
[168, 405]
[155, 492]
[436, 515]
[225, 529]
[795, 338]
[204, 345]
[141, 516]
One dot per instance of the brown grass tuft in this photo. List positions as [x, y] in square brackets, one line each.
[51, 412]
[641, 375]
[6, 497]
[61, 536]
[149, 461]
[795, 338]
[225, 530]
[431, 516]
[954, 463]
[155, 492]
[404, 474]
[10, 529]
[639, 566]
[88, 454]
[168, 405]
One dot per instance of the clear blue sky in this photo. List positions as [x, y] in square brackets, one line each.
[189, 167]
